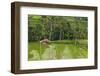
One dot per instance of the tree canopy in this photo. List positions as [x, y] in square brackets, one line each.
[57, 27]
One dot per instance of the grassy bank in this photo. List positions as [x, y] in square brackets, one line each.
[61, 49]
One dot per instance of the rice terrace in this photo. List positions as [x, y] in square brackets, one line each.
[57, 37]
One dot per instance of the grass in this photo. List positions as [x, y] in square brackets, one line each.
[61, 49]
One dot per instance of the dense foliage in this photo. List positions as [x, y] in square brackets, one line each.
[57, 27]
